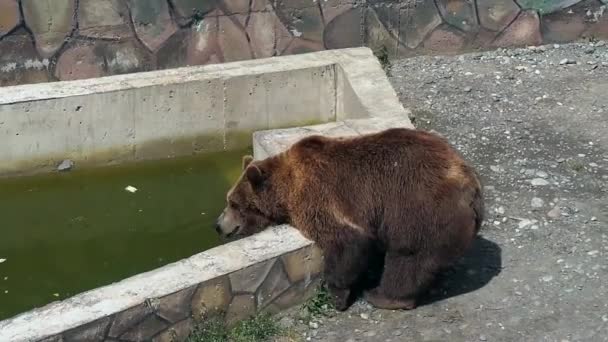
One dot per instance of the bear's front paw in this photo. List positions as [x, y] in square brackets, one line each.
[341, 298]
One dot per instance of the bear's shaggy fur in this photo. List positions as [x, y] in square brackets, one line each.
[404, 192]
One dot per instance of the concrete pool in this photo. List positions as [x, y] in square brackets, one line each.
[176, 113]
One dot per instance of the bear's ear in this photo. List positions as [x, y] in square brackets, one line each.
[246, 161]
[255, 175]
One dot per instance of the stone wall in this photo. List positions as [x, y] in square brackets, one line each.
[269, 286]
[48, 40]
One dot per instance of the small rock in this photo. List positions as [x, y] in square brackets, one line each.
[468, 89]
[537, 202]
[554, 213]
[500, 210]
[313, 325]
[524, 223]
[370, 334]
[542, 174]
[495, 168]
[547, 278]
[286, 322]
[65, 165]
[483, 338]
[566, 61]
[594, 218]
[539, 182]
[365, 316]
[589, 50]
[397, 333]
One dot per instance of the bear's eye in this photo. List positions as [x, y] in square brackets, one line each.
[233, 205]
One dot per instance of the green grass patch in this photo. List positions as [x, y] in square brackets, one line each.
[256, 329]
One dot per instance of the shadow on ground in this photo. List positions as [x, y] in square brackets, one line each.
[479, 266]
[474, 271]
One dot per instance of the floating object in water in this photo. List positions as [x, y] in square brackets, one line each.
[56, 294]
[2, 260]
[131, 188]
[65, 165]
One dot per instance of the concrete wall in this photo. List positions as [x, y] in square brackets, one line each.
[47, 40]
[267, 272]
[183, 111]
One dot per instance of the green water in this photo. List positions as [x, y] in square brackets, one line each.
[65, 233]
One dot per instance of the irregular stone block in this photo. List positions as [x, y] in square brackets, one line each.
[176, 307]
[211, 297]
[106, 19]
[495, 15]
[19, 61]
[302, 18]
[94, 331]
[152, 21]
[194, 46]
[232, 39]
[564, 26]
[79, 62]
[50, 21]
[417, 22]
[143, 331]
[9, 16]
[333, 8]
[444, 40]
[261, 33]
[177, 332]
[125, 57]
[282, 36]
[525, 30]
[295, 295]
[377, 35]
[241, 308]
[250, 278]
[186, 9]
[236, 6]
[546, 7]
[127, 319]
[298, 45]
[459, 13]
[344, 31]
[303, 264]
[275, 283]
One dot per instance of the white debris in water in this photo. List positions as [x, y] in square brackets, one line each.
[131, 188]
[56, 294]
[2, 260]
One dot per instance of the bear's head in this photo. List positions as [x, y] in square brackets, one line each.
[253, 203]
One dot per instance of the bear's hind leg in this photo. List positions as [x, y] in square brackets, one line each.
[346, 260]
[404, 278]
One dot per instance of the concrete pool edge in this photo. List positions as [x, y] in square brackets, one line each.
[267, 272]
[176, 112]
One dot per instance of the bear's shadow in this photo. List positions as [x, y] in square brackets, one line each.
[475, 270]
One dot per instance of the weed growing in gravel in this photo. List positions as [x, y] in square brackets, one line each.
[576, 166]
[256, 329]
[319, 305]
[385, 62]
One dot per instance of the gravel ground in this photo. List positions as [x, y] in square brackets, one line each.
[535, 123]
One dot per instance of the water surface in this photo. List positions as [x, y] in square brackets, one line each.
[65, 233]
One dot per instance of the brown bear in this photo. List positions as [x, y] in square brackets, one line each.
[406, 192]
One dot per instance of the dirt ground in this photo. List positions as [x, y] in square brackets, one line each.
[535, 124]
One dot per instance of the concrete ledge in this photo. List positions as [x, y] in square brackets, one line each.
[271, 142]
[176, 112]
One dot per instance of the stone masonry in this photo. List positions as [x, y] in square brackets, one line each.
[50, 40]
